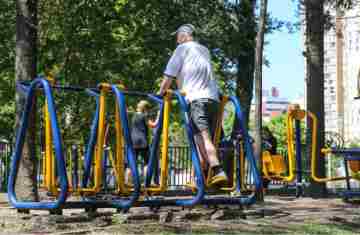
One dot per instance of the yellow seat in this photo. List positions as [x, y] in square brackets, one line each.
[355, 168]
[273, 165]
[279, 164]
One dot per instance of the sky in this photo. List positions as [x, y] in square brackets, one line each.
[284, 52]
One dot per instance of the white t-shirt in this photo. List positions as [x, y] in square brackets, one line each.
[191, 65]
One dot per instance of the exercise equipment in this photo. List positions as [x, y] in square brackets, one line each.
[92, 187]
[273, 166]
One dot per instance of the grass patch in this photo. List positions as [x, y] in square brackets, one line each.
[306, 229]
[325, 229]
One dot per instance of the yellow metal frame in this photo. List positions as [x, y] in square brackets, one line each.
[298, 114]
[49, 159]
[314, 176]
[224, 100]
[292, 115]
[118, 164]
[242, 168]
[216, 141]
[164, 162]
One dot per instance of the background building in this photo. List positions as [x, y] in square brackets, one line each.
[341, 74]
[272, 104]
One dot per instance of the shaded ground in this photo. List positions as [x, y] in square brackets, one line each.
[278, 215]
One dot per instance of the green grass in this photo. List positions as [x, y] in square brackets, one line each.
[306, 229]
[320, 229]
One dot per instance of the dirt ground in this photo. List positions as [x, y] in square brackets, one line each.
[278, 215]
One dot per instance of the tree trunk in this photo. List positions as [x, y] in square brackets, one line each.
[25, 69]
[258, 85]
[246, 59]
[314, 19]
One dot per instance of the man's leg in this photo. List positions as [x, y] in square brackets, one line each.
[201, 115]
[207, 148]
[206, 145]
[201, 150]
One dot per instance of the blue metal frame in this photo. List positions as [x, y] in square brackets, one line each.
[195, 158]
[119, 203]
[153, 159]
[20, 139]
[299, 189]
[124, 203]
[200, 197]
[348, 154]
[90, 147]
[249, 154]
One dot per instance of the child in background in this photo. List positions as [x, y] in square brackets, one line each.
[139, 135]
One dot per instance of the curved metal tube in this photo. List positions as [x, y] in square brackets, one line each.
[130, 154]
[247, 144]
[313, 153]
[200, 183]
[155, 144]
[116, 203]
[89, 154]
[20, 144]
[196, 162]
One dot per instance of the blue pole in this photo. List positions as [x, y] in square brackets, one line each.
[74, 159]
[92, 142]
[154, 147]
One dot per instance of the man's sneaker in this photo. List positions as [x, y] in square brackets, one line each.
[218, 179]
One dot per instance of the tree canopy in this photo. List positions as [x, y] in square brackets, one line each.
[86, 42]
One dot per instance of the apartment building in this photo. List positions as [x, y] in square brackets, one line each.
[341, 74]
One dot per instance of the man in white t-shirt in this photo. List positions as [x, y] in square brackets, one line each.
[191, 65]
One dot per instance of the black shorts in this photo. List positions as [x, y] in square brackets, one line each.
[204, 115]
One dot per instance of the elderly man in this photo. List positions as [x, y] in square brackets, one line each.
[191, 65]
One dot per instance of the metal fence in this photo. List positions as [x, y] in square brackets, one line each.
[180, 166]
[5, 154]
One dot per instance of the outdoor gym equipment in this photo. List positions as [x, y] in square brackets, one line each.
[54, 170]
[60, 187]
[273, 166]
[351, 158]
[156, 196]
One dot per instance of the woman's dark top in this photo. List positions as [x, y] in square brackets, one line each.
[139, 130]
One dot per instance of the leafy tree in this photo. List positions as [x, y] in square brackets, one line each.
[7, 64]
[83, 43]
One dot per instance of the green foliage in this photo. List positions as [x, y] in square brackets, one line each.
[7, 64]
[229, 118]
[83, 43]
[278, 127]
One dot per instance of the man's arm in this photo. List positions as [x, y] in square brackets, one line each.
[165, 84]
